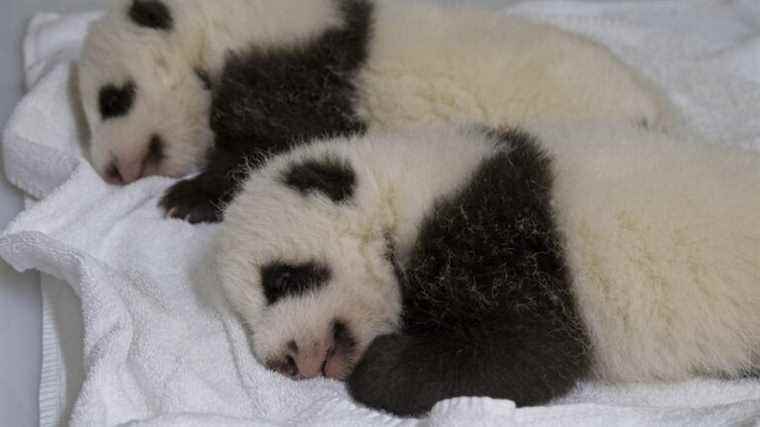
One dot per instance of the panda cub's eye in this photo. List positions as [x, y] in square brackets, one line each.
[116, 101]
[282, 280]
[288, 280]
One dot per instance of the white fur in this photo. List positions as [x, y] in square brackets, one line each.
[662, 237]
[427, 64]
[432, 64]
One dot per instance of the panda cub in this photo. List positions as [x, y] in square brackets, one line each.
[172, 86]
[435, 263]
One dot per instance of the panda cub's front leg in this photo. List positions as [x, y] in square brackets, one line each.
[203, 197]
[407, 375]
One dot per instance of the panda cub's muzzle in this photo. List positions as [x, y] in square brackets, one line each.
[125, 170]
[330, 357]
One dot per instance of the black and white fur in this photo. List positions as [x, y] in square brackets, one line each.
[448, 262]
[270, 74]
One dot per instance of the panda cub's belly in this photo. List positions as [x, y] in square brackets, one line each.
[523, 262]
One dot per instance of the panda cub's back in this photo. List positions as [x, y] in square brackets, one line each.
[664, 246]
[431, 64]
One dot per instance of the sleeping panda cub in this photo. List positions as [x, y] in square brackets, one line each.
[445, 262]
[173, 86]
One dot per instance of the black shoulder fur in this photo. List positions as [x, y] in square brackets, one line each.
[270, 99]
[488, 307]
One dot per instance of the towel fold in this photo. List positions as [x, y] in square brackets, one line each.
[159, 350]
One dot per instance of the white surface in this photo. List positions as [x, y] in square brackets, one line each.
[155, 351]
[20, 318]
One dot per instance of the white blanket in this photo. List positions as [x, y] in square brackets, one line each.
[156, 352]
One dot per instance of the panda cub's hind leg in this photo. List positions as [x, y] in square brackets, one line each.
[487, 302]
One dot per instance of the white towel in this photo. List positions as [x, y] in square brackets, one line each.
[157, 353]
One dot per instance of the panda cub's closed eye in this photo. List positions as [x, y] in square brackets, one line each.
[115, 101]
[282, 280]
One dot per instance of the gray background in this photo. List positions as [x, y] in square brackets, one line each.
[20, 315]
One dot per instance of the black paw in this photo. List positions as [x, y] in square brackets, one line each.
[388, 377]
[190, 201]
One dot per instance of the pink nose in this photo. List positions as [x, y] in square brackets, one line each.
[312, 363]
[123, 173]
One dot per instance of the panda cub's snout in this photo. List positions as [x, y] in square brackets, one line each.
[123, 170]
[332, 356]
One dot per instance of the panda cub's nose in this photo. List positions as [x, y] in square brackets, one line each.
[123, 173]
[126, 170]
[113, 175]
[311, 362]
[329, 357]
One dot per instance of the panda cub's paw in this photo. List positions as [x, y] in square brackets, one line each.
[188, 200]
[391, 377]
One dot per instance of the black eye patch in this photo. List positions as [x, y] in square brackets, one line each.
[286, 280]
[116, 101]
[330, 176]
[151, 14]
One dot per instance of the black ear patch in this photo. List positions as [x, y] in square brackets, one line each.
[330, 176]
[151, 14]
[116, 101]
[282, 280]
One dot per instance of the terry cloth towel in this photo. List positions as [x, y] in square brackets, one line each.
[156, 352]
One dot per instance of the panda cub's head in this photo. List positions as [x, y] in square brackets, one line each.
[311, 250]
[305, 262]
[146, 105]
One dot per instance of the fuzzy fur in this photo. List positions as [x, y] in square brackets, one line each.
[657, 239]
[485, 67]
[278, 97]
[664, 240]
[173, 69]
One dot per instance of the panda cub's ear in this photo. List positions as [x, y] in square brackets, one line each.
[151, 14]
[331, 176]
